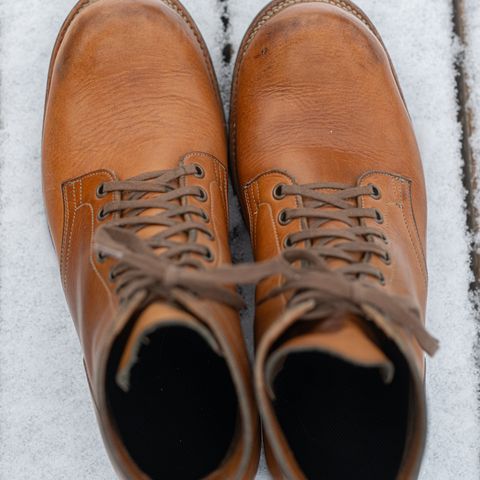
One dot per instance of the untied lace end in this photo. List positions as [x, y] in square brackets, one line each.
[329, 290]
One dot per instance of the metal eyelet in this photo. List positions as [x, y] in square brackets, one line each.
[101, 257]
[283, 218]
[287, 243]
[202, 196]
[379, 217]
[111, 276]
[382, 279]
[278, 193]
[209, 256]
[102, 215]
[205, 216]
[376, 193]
[199, 171]
[387, 259]
[101, 191]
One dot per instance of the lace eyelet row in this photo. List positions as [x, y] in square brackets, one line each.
[203, 197]
[101, 193]
[379, 218]
[278, 194]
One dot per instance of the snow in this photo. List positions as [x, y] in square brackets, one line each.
[472, 69]
[47, 423]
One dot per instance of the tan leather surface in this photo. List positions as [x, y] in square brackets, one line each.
[132, 90]
[348, 343]
[316, 99]
[135, 72]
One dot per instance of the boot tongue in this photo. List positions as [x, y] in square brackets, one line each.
[156, 316]
[349, 343]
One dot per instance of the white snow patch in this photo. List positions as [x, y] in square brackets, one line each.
[48, 427]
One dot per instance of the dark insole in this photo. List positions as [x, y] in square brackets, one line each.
[178, 419]
[342, 421]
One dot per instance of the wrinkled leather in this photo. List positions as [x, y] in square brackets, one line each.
[316, 99]
[131, 90]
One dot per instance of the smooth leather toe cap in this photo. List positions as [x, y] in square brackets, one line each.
[317, 73]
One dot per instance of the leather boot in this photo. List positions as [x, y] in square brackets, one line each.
[135, 185]
[331, 182]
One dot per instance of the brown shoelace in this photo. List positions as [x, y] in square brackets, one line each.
[164, 192]
[176, 273]
[354, 244]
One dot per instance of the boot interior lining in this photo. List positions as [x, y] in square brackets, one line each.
[340, 420]
[178, 419]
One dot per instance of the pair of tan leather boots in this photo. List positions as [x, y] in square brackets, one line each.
[325, 162]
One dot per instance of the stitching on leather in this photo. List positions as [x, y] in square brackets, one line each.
[250, 215]
[414, 244]
[68, 225]
[69, 247]
[270, 173]
[66, 263]
[254, 184]
[225, 186]
[220, 179]
[66, 220]
[80, 201]
[251, 195]
[258, 198]
[421, 259]
[283, 5]
[74, 191]
[92, 263]
[201, 154]
[274, 223]
[218, 163]
[215, 172]
[412, 213]
[212, 216]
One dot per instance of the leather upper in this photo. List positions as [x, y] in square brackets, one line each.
[132, 90]
[316, 99]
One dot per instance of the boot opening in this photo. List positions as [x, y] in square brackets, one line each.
[342, 421]
[179, 416]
